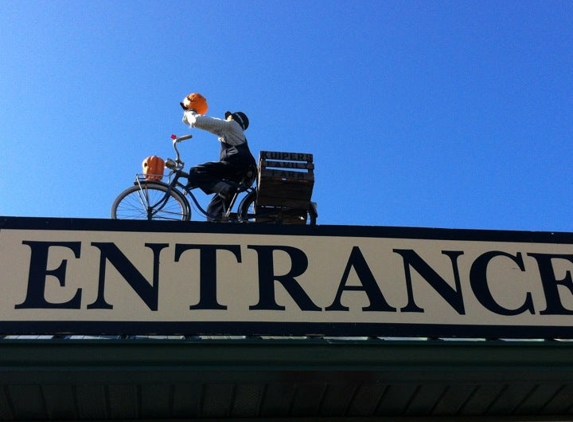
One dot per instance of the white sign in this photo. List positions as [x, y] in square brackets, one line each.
[131, 277]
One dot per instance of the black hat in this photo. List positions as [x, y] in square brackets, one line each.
[239, 117]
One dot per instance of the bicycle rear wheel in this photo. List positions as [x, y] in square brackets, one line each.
[151, 201]
[246, 208]
[248, 213]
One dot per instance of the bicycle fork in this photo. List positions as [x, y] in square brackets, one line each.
[151, 209]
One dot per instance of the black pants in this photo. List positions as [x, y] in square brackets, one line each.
[205, 176]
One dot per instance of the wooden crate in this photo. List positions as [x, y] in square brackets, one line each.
[285, 179]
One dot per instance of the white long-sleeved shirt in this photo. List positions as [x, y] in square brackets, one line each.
[227, 131]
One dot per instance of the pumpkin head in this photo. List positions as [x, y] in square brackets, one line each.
[196, 102]
[153, 168]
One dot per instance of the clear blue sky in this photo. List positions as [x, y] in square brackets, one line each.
[453, 114]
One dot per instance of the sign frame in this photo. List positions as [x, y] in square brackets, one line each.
[456, 267]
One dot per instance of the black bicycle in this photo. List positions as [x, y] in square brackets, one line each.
[150, 199]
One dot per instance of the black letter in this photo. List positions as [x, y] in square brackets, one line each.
[208, 272]
[453, 296]
[148, 293]
[550, 283]
[369, 285]
[38, 272]
[267, 277]
[478, 281]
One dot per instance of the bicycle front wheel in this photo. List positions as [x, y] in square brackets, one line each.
[151, 201]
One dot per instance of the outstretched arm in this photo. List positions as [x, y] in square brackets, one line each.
[227, 131]
[210, 124]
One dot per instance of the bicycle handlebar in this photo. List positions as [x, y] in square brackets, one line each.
[181, 138]
[178, 164]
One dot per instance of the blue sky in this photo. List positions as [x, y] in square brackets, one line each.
[453, 114]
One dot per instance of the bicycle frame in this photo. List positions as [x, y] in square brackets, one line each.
[185, 192]
[176, 167]
[174, 188]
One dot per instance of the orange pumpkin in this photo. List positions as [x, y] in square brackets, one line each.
[196, 102]
[153, 168]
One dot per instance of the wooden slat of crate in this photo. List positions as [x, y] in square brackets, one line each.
[285, 195]
[281, 215]
[284, 174]
[285, 179]
[287, 164]
[286, 156]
